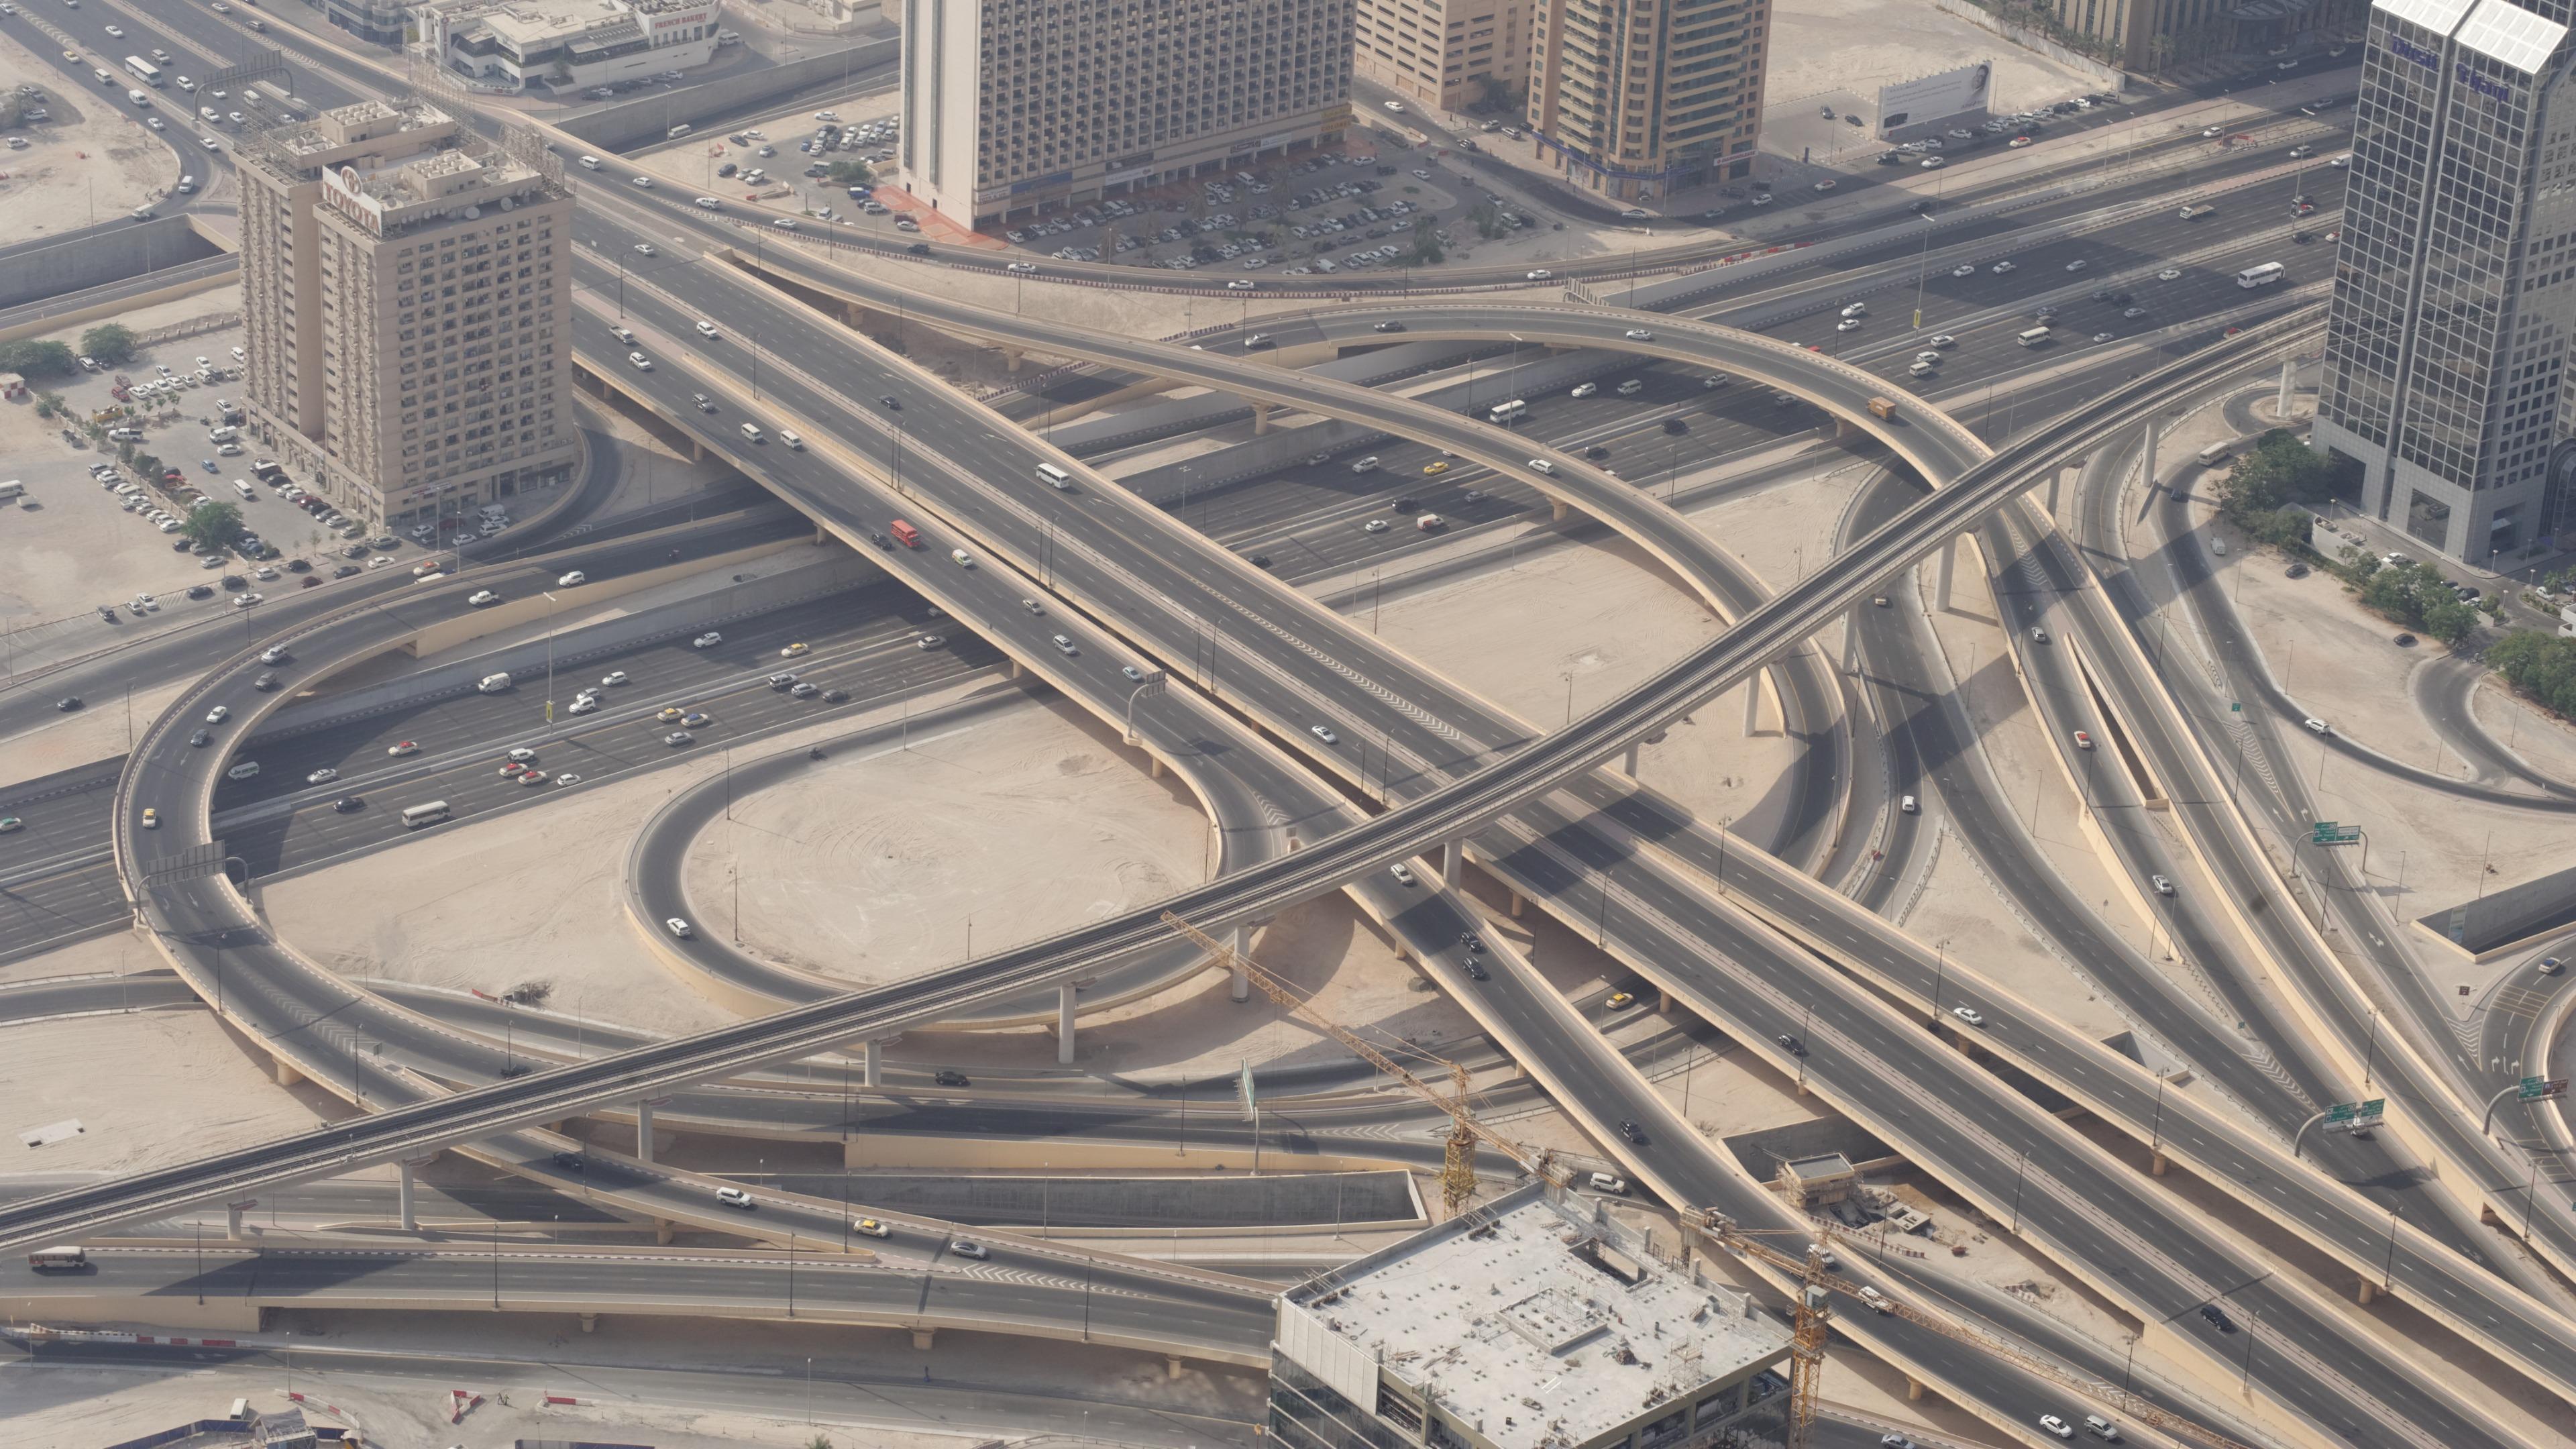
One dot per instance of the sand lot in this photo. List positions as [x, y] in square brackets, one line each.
[1018, 826]
[149, 1089]
[93, 160]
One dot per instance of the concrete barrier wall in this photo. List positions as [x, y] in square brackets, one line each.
[96, 258]
[1160, 1203]
[648, 119]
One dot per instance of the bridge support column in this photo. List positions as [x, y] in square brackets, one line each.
[1153, 767]
[1517, 903]
[1260, 418]
[1557, 511]
[2156, 1167]
[1949, 569]
[1064, 1024]
[663, 1231]
[1012, 355]
[1663, 1002]
[285, 1073]
[1453, 862]
[2281, 408]
[644, 1131]
[404, 1202]
[1914, 1390]
[590, 1323]
[2364, 1292]
[921, 1338]
[2055, 476]
[1016, 669]
[871, 1066]
[1752, 702]
[233, 1212]
[1851, 640]
[1171, 1365]
[2148, 462]
[1240, 988]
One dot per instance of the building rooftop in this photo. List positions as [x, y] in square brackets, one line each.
[1535, 1318]
[530, 25]
[390, 167]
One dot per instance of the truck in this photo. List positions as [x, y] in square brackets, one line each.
[1430, 523]
[904, 533]
[494, 683]
[1883, 409]
[2194, 211]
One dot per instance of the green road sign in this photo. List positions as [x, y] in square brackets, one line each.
[2357, 1111]
[2330, 832]
[2540, 1089]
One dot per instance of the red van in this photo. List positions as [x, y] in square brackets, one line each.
[904, 533]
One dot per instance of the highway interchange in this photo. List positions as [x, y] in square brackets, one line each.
[1556, 856]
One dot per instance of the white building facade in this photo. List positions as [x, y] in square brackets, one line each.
[566, 45]
[1015, 106]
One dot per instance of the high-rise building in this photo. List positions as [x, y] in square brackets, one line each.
[1013, 106]
[2455, 283]
[1533, 1321]
[1446, 53]
[409, 296]
[1639, 100]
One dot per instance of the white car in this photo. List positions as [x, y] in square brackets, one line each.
[405, 747]
[1969, 1014]
[968, 1247]
[210, 143]
[646, 249]
[642, 363]
[1640, 334]
[482, 598]
[219, 714]
[706, 328]
[644, 183]
[2170, 274]
[570, 579]
[1023, 268]
[2057, 1426]
[2006, 265]
[1542, 274]
[613, 678]
[583, 704]
[1403, 873]
[680, 928]
[323, 776]
[707, 640]
[2076, 265]
[1964, 269]
[244, 601]
[1324, 733]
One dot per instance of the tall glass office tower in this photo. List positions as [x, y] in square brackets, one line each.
[2446, 363]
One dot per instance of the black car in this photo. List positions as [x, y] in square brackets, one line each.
[2217, 1318]
[919, 249]
[1261, 560]
[571, 1162]
[265, 684]
[299, 566]
[1596, 452]
[1676, 425]
[2102, 294]
[835, 696]
[235, 582]
[1475, 969]
[728, 169]
[1791, 1044]
[201, 738]
[201, 591]
[1388, 327]
[881, 541]
[1920, 208]
[952, 1078]
[348, 804]
[890, 401]
[1407, 505]
[68, 703]
[181, 545]
[1633, 1133]
[1471, 941]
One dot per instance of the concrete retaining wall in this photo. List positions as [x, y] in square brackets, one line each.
[1162, 1203]
[2032, 40]
[647, 120]
[96, 258]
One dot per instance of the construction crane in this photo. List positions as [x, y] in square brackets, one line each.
[1458, 1162]
[1812, 1322]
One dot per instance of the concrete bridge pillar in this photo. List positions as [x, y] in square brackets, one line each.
[1453, 862]
[1016, 669]
[1517, 902]
[1012, 356]
[1171, 1365]
[1851, 642]
[1064, 1024]
[233, 1215]
[590, 1323]
[1663, 1001]
[1949, 569]
[2156, 1167]
[2281, 404]
[2056, 476]
[1752, 702]
[2364, 1292]
[1153, 767]
[1628, 762]
[285, 1073]
[1557, 511]
[1914, 1390]
[664, 1230]
[871, 1066]
[405, 1202]
[921, 1338]
[644, 1131]
[1240, 989]
[2149, 444]
[1260, 418]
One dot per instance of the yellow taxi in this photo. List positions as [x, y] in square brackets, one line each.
[669, 713]
[1437, 466]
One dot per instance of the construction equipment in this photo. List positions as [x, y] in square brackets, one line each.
[1816, 1285]
[1458, 1164]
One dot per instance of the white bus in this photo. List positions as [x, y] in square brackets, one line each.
[1507, 412]
[144, 70]
[58, 1260]
[416, 816]
[2033, 338]
[1055, 477]
[2262, 276]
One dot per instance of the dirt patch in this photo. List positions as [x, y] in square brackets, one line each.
[92, 162]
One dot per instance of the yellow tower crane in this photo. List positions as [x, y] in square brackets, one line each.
[1458, 1163]
[1816, 1284]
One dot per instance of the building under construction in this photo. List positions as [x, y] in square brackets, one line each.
[1529, 1322]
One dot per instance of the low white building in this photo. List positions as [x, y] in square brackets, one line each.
[567, 45]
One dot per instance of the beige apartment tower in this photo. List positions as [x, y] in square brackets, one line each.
[1446, 53]
[408, 296]
[1638, 99]
[1015, 106]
